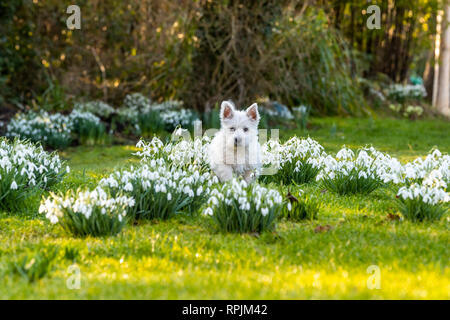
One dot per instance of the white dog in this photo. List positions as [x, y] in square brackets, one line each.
[235, 148]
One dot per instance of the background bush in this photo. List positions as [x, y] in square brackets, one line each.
[199, 52]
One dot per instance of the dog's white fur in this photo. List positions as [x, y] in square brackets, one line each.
[235, 148]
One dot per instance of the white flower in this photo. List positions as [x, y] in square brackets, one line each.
[208, 211]
[128, 187]
[13, 185]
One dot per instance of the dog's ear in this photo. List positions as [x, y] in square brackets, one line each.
[252, 112]
[226, 110]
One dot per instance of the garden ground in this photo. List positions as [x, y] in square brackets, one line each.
[185, 258]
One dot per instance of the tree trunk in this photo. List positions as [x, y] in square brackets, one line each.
[443, 94]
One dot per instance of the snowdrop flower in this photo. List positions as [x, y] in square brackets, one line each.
[208, 211]
[13, 185]
[246, 197]
[128, 187]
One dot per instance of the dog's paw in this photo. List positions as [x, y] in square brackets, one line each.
[224, 173]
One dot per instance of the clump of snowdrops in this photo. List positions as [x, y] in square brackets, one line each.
[161, 191]
[350, 174]
[434, 166]
[88, 128]
[238, 207]
[58, 130]
[53, 130]
[147, 117]
[84, 212]
[423, 202]
[181, 153]
[425, 191]
[26, 168]
[296, 161]
[401, 93]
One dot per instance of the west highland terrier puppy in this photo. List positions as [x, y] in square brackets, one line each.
[235, 148]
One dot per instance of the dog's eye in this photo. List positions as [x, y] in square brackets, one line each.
[245, 129]
[232, 128]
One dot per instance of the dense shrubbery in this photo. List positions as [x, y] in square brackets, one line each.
[199, 53]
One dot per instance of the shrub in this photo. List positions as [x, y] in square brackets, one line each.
[25, 168]
[238, 207]
[301, 208]
[296, 161]
[422, 202]
[350, 175]
[84, 213]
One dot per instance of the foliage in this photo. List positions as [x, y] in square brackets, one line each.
[402, 42]
[198, 52]
[161, 192]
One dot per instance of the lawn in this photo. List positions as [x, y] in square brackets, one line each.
[186, 258]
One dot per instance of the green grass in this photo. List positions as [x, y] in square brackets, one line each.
[185, 258]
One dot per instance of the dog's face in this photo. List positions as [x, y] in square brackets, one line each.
[240, 127]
